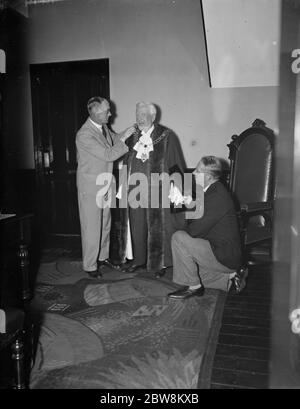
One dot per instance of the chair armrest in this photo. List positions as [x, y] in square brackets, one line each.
[256, 207]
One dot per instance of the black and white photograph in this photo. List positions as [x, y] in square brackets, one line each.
[149, 197]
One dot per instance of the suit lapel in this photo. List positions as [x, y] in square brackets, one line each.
[98, 134]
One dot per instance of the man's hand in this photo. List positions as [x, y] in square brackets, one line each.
[176, 197]
[187, 199]
[127, 133]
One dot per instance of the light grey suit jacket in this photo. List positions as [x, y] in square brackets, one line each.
[95, 155]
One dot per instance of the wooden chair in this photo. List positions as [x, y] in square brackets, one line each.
[251, 182]
[11, 336]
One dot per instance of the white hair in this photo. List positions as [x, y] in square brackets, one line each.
[94, 103]
[148, 105]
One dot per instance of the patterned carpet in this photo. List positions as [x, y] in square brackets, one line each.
[120, 332]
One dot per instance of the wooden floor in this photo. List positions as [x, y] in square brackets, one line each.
[243, 351]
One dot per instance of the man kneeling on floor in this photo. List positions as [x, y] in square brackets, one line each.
[208, 252]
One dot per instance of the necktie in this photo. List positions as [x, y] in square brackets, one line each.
[104, 132]
[106, 136]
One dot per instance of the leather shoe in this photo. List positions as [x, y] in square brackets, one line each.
[186, 292]
[109, 264]
[161, 272]
[94, 274]
[239, 281]
[133, 267]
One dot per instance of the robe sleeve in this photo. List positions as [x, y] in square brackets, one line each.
[176, 164]
[175, 155]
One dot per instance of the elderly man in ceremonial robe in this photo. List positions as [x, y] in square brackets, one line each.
[153, 149]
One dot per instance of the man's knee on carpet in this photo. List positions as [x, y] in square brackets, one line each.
[178, 237]
[212, 242]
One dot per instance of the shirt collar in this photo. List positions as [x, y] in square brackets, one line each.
[205, 188]
[95, 123]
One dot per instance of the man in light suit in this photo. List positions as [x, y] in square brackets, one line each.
[97, 148]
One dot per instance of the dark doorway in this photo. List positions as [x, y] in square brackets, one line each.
[60, 92]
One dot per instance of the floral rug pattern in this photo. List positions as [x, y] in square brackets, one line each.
[120, 332]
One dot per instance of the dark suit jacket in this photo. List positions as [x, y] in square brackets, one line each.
[219, 225]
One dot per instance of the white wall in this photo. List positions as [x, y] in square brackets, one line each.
[243, 46]
[157, 53]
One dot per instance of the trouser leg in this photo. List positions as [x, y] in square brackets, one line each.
[138, 227]
[185, 270]
[90, 223]
[105, 233]
[196, 262]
